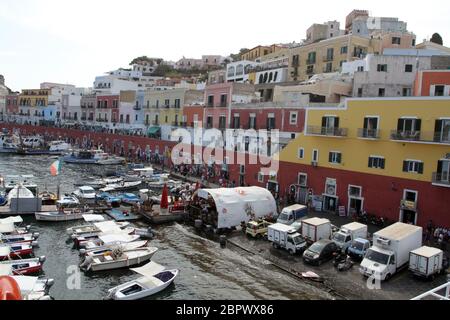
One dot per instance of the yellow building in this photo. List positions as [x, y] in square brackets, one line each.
[259, 51]
[389, 156]
[30, 99]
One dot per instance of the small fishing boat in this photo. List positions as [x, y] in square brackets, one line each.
[129, 198]
[122, 186]
[34, 288]
[118, 259]
[163, 180]
[8, 239]
[155, 278]
[16, 251]
[68, 201]
[9, 229]
[109, 240]
[85, 194]
[48, 198]
[92, 157]
[7, 145]
[109, 248]
[58, 147]
[106, 226]
[82, 240]
[25, 266]
[62, 215]
[109, 199]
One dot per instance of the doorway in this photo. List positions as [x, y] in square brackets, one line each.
[355, 205]
[330, 203]
[408, 212]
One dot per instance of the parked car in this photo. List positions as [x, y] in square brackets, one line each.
[320, 252]
[257, 228]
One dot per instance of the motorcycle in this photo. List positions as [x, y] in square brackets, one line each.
[339, 257]
[346, 264]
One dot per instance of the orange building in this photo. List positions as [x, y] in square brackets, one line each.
[432, 83]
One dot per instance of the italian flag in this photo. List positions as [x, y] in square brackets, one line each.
[55, 168]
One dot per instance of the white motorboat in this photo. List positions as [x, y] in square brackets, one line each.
[34, 288]
[82, 240]
[62, 215]
[18, 238]
[109, 240]
[93, 251]
[118, 259]
[7, 144]
[85, 194]
[155, 278]
[122, 186]
[59, 147]
[105, 226]
[25, 266]
[68, 201]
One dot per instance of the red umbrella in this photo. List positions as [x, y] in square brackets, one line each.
[165, 198]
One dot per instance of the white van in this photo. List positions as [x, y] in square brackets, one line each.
[292, 213]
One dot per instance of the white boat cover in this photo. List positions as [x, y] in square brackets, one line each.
[5, 251]
[16, 219]
[149, 270]
[26, 284]
[235, 205]
[108, 227]
[116, 238]
[93, 217]
[5, 269]
[20, 191]
[7, 227]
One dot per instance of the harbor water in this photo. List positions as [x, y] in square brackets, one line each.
[206, 270]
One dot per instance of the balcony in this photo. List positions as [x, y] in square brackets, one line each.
[210, 104]
[137, 108]
[83, 106]
[368, 133]
[327, 58]
[325, 131]
[441, 179]
[420, 137]
[223, 104]
[310, 61]
[83, 118]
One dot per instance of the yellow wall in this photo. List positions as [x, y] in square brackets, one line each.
[356, 151]
[34, 94]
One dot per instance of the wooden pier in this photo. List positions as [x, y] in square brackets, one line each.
[6, 211]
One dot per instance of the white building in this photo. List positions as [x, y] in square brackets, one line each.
[110, 84]
[3, 94]
[238, 71]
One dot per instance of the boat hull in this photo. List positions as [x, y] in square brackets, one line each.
[125, 263]
[44, 216]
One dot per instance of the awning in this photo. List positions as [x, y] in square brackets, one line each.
[149, 270]
[7, 228]
[153, 130]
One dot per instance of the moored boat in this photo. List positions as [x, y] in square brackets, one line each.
[62, 215]
[155, 278]
[118, 259]
[25, 266]
[109, 248]
[16, 251]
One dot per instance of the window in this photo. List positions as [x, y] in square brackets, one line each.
[223, 100]
[240, 70]
[295, 60]
[236, 121]
[293, 118]
[376, 162]
[222, 122]
[166, 119]
[381, 92]
[442, 130]
[260, 177]
[334, 157]
[439, 91]
[360, 92]
[408, 125]
[408, 68]
[413, 166]
[360, 69]
[167, 103]
[329, 123]
[303, 179]
[315, 155]
[270, 121]
[209, 122]
[406, 92]
[177, 103]
[157, 104]
[396, 40]
[301, 153]
[354, 191]
[311, 58]
[330, 54]
[310, 69]
[329, 67]
[382, 67]
[210, 101]
[344, 50]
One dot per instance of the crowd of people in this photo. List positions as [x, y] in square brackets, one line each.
[435, 235]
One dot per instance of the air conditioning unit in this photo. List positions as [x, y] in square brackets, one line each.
[314, 163]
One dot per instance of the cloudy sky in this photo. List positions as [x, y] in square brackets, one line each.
[71, 41]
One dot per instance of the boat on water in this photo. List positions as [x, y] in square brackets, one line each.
[129, 198]
[82, 240]
[62, 215]
[85, 194]
[7, 144]
[20, 192]
[92, 157]
[109, 199]
[118, 259]
[34, 288]
[106, 226]
[162, 181]
[16, 251]
[109, 248]
[122, 186]
[25, 266]
[108, 240]
[12, 181]
[19, 238]
[154, 278]
[68, 201]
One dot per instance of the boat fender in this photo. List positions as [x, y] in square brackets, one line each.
[9, 289]
[36, 235]
[42, 259]
[35, 243]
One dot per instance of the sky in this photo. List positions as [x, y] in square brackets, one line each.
[68, 41]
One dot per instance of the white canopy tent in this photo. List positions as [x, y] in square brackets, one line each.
[235, 205]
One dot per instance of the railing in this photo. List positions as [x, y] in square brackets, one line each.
[368, 133]
[325, 131]
[441, 178]
[223, 104]
[210, 104]
[310, 61]
[137, 108]
[420, 136]
[444, 295]
[328, 58]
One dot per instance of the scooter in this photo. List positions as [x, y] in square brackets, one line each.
[346, 264]
[339, 257]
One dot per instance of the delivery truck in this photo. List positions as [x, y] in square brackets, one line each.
[315, 229]
[390, 250]
[285, 237]
[347, 233]
[292, 213]
[426, 262]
